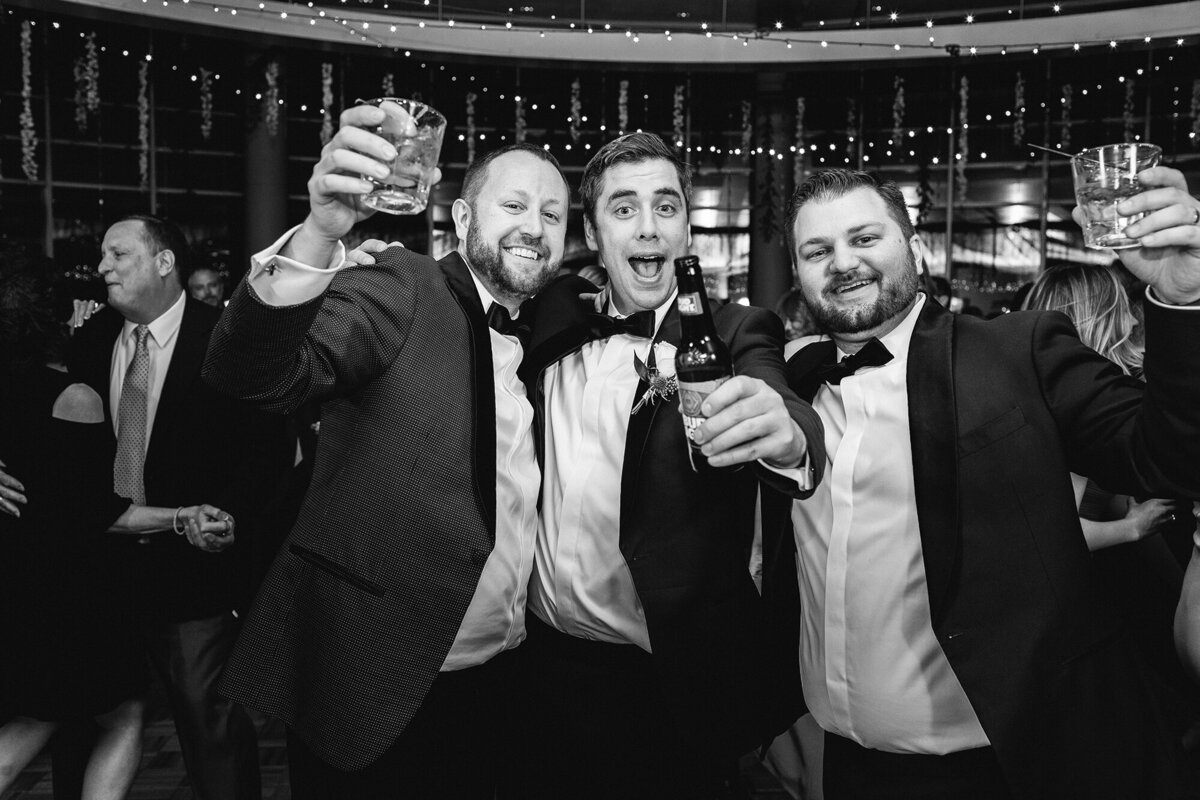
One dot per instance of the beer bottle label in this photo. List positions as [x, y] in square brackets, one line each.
[691, 397]
[688, 304]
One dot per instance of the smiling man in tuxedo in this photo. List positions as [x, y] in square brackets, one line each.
[384, 635]
[953, 636]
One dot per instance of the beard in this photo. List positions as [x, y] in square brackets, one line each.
[488, 262]
[895, 295]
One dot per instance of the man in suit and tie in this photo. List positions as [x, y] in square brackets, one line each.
[178, 442]
[384, 635]
[953, 639]
[649, 662]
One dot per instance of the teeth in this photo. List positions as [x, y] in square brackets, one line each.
[523, 252]
[850, 287]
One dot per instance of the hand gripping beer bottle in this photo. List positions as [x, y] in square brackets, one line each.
[702, 362]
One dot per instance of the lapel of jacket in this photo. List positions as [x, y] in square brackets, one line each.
[186, 360]
[462, 286]
[637, 433]
[933, 430]
[558, 327]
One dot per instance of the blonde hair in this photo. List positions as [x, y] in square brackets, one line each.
[1093, 297]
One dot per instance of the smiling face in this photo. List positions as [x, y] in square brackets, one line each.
[141, 282]
[856, 269]
[640, 228]
[514, 232]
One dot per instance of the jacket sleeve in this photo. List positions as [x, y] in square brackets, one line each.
[281, 357]
[1131, 439]
[756, 344]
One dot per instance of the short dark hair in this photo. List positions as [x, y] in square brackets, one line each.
[632, 148]
[476, 174]
[33, 312]
[162, 234]
[833, 183]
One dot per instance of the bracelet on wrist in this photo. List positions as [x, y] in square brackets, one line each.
[175, 523]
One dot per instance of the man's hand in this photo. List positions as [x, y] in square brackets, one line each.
[207, 527]
[1169, 256]
[747, 421]
[336, 188]
[11, 493]
[82, 311]
[362, 255]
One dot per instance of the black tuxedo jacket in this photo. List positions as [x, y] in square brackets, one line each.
[203, 449]
[686, 536]
[361, 606]
[1000, 412]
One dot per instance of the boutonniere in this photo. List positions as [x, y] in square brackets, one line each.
[658, 371]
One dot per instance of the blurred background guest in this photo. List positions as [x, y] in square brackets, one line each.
[798, 322]
[206, 285]
[1142, 572]
[70, 624]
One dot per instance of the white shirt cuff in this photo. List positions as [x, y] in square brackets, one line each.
[1150, 296]
[280, 281]
[802, 475]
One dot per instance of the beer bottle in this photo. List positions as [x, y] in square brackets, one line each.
[702, 362]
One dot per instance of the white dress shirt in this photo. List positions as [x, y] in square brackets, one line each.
[495, 618]
[872, 669]
[581, 584]
[160, 345]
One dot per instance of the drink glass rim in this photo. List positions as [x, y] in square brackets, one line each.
[1083, 155]
[422, 112]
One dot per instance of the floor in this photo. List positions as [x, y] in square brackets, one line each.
[162, 775]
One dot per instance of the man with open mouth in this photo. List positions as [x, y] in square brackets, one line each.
[649, 664]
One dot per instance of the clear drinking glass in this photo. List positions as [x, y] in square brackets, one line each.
[1104, 176]
[415, 129]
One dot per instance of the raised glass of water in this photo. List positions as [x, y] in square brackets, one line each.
[1104, 176]
[415, 129]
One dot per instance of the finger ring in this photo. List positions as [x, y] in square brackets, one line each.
[1196, 214]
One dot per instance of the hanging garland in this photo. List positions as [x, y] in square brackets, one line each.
[326, 102]
[28, 135]
[271, 99]
[471, 97]
[389, 85]
[576, 111]
[1067, 93]
[677, 117]
[206, 106]
[798, 160]
[1196, 113]
[747, 129]
[87, 83]
[960, 183]
[898, 113]
[143, 107]
[519, 129]
[851, 125]
[1019, 112]
[81, 115]
[623, 107]
[1127, 114]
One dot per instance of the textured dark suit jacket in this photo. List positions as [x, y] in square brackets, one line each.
[363, 603]
[1000, 412]
[687, 536]
[203, 449]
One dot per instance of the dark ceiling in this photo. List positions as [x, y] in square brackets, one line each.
[763, 15]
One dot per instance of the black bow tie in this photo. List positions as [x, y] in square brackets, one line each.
[603, 326]
[872, 354]
[499, 321]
